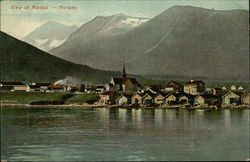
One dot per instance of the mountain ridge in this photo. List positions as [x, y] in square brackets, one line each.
[204, 43]
[23, 62]
[49, 35]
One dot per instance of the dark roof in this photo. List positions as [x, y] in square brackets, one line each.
[218, 89]
[195, 82]
[123, 80]
[155, 88]
[43, 84]
[126, 95]
[117, 80]
[240, 93]
[7, 88]
[140, 94]
[12, 83]
[171, 83]
[174, 94]
[189, 96]
[222, 93]
[100, 86]
[108, 93]
[34, 86]
[150, 93]
[207, 95]
[163, 93]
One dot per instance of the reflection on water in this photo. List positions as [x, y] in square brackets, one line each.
[124, 134]
[227, 118]
[159, 117]
[123, 115]
[104, 116]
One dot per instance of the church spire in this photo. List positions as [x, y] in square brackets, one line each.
[124, 71]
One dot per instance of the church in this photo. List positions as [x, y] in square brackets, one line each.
[123, 84]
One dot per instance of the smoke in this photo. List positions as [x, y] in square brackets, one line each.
[68, 80]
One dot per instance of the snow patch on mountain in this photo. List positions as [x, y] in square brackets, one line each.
[134, 21]
[40, 42]
[55, 43]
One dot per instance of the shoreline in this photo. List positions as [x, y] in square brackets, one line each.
[241, 107]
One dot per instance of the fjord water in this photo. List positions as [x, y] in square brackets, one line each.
[60, 134]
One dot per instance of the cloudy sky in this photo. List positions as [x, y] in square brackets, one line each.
[20, 22]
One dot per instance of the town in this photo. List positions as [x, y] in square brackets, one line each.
[127, 92]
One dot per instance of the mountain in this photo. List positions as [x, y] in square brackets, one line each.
[183, 41]
[49, 35]
[23, 62]
[99, 28]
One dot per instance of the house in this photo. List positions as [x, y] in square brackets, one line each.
[90, 88]
[125, 83]
[100, 89]
[73, 87]
[194, 87]
[245, 98]
[171, 99]
[159, 98]
[240, 88]
[231, 97]
[171, 86]
[56, 88]
[153, 88]
[106, 97]
[109, 87]
[233, 87]
[124, 99]
[185, 98]
[137, 98]
[217, 91]
[13, 86]
[205, 98]
[148, 98]
[224, 88]
[34, 88]
[43, 86]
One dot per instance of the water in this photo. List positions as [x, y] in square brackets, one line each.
[118, 134]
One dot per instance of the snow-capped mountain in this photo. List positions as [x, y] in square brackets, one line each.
[100, 27]
[181, 42]
[49, 35]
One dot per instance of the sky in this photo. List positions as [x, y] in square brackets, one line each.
[20, 22]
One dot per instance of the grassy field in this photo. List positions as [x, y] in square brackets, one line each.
[28, 97]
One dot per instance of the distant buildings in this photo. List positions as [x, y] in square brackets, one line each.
[124, 99]
[205, 98]
[127, 91]
[13, 86]
[123, 84]
[232, 97]
[172, 86]
[106, 97]
[194, 87]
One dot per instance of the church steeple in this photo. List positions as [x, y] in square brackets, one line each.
[124, 71]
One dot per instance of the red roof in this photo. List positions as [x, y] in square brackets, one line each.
[108, 93]
[55, 86]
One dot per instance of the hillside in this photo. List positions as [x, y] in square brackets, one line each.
[23, 62]
[181, 42]
[49, 35]
[100, 27]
